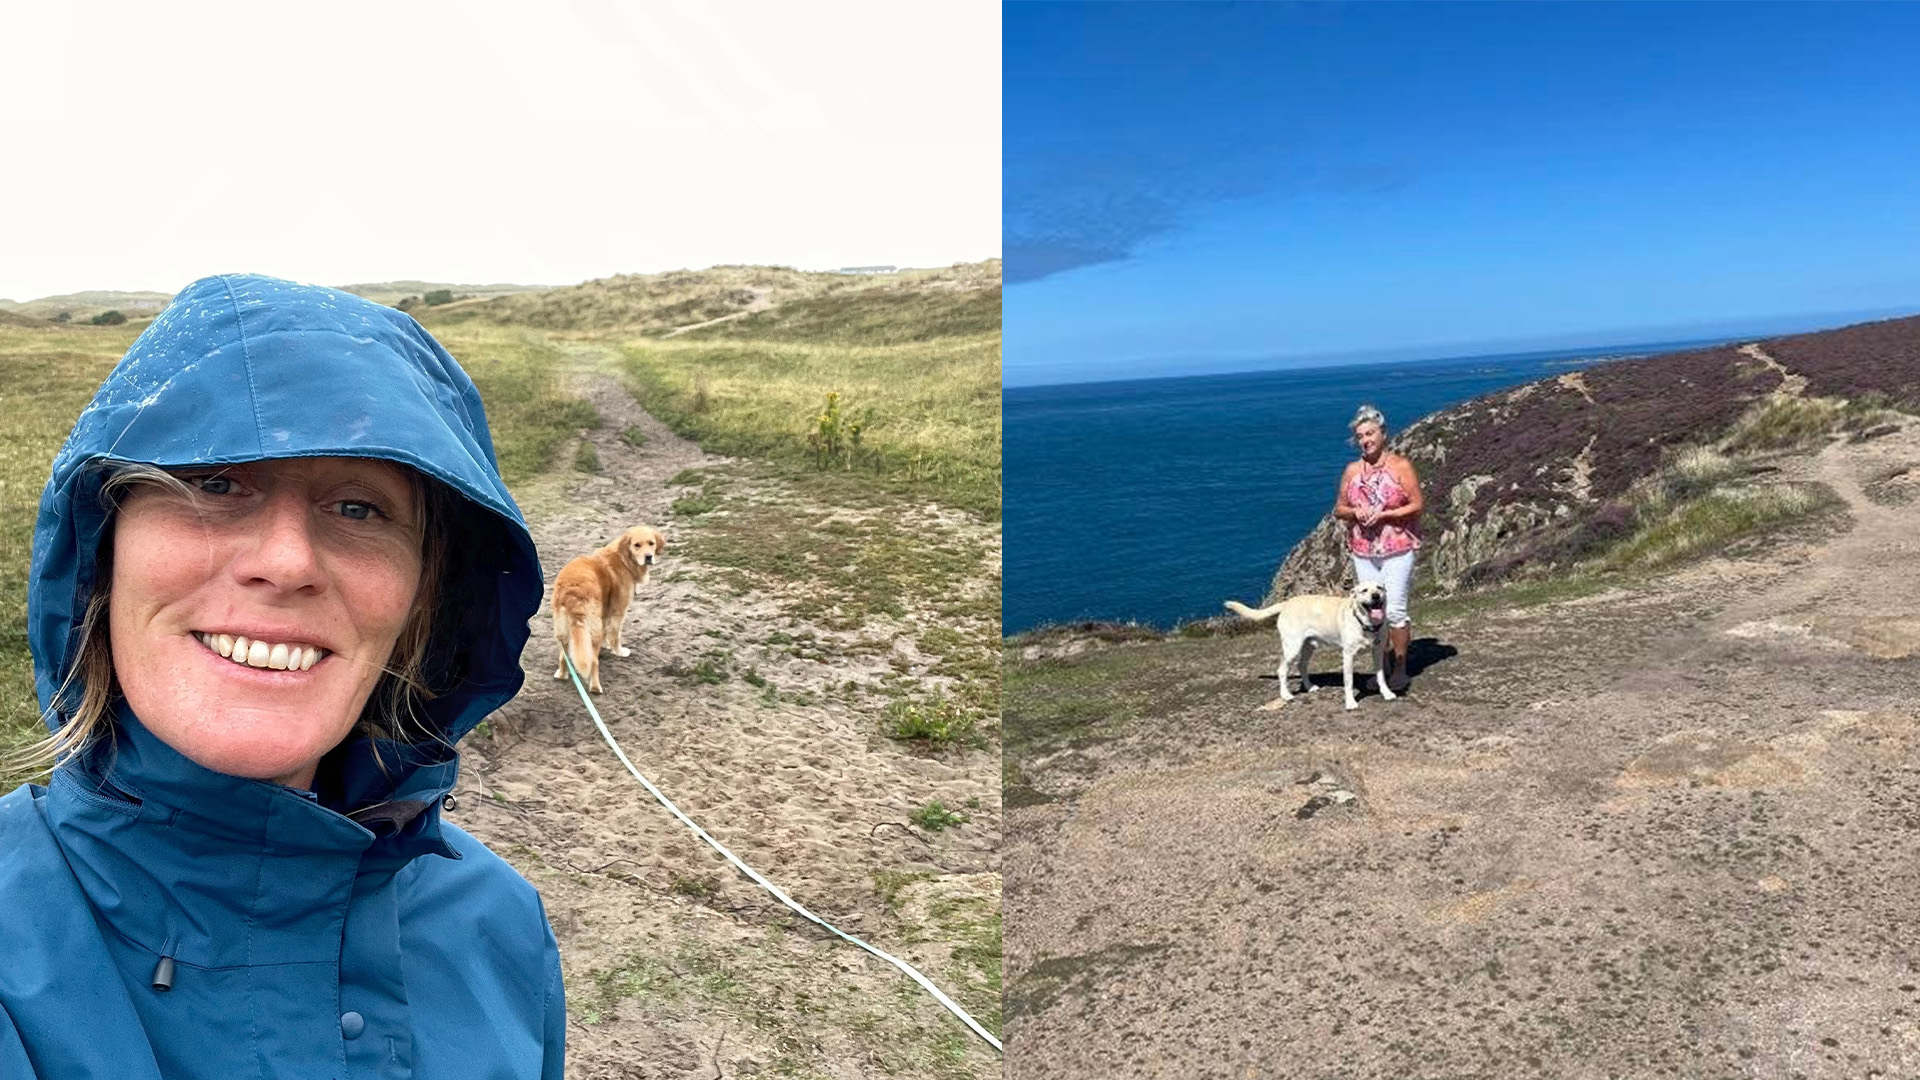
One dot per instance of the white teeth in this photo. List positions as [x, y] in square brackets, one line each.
[260, 654]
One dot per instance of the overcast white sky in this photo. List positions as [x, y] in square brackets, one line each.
[483, 141]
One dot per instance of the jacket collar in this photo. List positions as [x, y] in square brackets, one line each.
[219, 871]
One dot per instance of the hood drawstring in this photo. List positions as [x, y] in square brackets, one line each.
[163, 971]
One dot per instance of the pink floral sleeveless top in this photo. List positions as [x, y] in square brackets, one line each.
[1375, 486]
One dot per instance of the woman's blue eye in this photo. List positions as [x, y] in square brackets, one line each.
[216, 485]
[359, 511]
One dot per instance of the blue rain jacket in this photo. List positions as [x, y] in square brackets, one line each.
[344, 933]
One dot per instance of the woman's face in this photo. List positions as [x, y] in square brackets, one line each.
[1370, 438]
[314, 562]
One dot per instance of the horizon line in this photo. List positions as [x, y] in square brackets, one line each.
[1441, 351]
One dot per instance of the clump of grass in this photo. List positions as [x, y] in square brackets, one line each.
[934, 817]
[1709, 523]
[1782, 423]
[694, 505]
[939, 722]
[587, 458]
[634, 437]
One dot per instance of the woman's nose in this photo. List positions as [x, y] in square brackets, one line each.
[281, 552]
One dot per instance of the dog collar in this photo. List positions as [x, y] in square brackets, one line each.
[1364, 624]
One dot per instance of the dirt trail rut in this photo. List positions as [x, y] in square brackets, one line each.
[676, 965]
[1666, 831]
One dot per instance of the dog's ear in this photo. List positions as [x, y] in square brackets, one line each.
[659, 542]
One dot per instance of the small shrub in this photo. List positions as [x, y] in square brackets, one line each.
[108, 318]
[65, 316]
[407, 303]
[940, 722]
[438, 297]
[701, 399]
[835, 436]
[634, 437]
[933, 817]
[587, 458]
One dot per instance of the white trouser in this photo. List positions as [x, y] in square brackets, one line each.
[1393, 571]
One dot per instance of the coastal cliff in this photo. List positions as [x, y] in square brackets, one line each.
[1556, 472]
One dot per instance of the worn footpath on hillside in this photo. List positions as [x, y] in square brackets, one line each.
[743, 715]
[1672, 829]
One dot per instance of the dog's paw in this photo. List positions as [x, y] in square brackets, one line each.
[623, 652]
[1352, 704]
[1311, 688]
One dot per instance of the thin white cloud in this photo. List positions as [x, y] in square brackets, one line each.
[493, 140]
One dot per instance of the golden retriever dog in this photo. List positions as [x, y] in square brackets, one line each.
[1352, 622]
[590, 598]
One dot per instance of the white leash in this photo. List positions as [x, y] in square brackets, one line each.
[763, 882]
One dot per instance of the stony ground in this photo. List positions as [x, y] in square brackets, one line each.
[763, 726]
[1672, 829]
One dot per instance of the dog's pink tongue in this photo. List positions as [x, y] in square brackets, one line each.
[1376, 615]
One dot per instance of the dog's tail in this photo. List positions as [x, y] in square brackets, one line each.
[1241, 609]
[579, 643]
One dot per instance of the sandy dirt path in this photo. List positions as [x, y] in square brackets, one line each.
[1666, 831]
[677, 966]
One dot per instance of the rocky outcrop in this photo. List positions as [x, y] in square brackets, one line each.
[1536, 476]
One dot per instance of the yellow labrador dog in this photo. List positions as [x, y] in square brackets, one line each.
[1352, 622]
[590, 598]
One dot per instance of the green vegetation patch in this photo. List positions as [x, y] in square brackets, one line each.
[938, 722]
[840, 572]
[928, 412]
[935, 816]
[1708, 523]
[517, 373]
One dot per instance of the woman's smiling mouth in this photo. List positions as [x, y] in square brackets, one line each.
[252, 652]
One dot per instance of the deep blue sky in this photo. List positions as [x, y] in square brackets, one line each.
[1213, 187]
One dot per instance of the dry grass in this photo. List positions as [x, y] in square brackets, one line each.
[1708, 523]
[47, 376]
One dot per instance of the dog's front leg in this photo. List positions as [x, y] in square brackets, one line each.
[1346, 675]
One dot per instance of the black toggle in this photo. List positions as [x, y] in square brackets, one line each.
[163, 974]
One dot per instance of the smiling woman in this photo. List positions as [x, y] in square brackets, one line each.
[255, 646]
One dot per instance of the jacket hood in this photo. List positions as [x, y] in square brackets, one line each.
[247, 368]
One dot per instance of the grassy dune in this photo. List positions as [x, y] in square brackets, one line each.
[921, 372]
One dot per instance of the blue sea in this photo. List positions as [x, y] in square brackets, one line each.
[1155, 500]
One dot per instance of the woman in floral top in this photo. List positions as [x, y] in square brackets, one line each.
[1380, 500]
